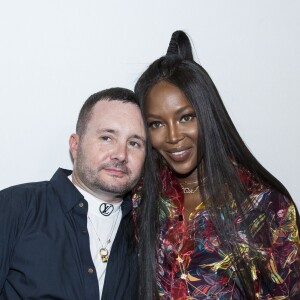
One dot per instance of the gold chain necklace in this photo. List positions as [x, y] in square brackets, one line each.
[104, 251]
[187, 190]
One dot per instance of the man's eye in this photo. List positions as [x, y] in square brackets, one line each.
[154, 124]
[187, 118]
[135, 144]
[105, 138]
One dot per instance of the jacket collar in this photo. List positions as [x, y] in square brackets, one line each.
[70, 196]
[65, 189]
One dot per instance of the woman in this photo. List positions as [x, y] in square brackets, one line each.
[213, 223]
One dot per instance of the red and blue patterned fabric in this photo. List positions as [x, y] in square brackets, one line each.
[193, 264]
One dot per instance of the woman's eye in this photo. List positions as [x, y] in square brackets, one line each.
[154, 124]
[187, 118]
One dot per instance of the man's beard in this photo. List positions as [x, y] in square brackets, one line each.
[90, 176]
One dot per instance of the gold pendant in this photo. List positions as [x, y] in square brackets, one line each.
[187, 190]
[104, 254]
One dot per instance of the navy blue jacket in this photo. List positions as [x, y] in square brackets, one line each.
[44, 245]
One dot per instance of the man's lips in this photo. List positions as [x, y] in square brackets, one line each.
[116, 171]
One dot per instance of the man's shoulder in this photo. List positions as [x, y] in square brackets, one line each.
[33, 187]
[16, 201]
[23, 196]
[24, 188]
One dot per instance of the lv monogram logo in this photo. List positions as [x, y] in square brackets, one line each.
[106, 209]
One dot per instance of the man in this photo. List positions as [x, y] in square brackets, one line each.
[61, 238]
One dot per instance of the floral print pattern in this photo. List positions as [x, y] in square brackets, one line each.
[192, 264]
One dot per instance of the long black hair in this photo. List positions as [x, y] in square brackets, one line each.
[219, 145]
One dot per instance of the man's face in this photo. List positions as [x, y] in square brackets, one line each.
[109, 157]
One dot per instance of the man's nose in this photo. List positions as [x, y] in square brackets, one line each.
[120, 152]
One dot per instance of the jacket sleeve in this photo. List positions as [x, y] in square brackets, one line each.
[11, 219]
[281, 247]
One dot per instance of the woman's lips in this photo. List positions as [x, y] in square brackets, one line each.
[179, 154]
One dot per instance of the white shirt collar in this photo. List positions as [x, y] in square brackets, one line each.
[95, 204]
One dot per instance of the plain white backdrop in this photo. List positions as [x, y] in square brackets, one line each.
[55, 53]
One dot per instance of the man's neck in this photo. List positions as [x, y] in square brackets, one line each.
[102, 195]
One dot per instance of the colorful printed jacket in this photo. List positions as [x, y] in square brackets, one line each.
[192, 264]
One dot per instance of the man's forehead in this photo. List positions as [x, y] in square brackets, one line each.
[138, 133]
[117, 117]
[116, 106]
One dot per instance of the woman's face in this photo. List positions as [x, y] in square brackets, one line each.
[173, 127]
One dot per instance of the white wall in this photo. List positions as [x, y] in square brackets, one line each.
[54, 54]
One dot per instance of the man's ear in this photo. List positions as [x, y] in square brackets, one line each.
[73, 143]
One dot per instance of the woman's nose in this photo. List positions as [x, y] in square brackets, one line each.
[174, 134]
